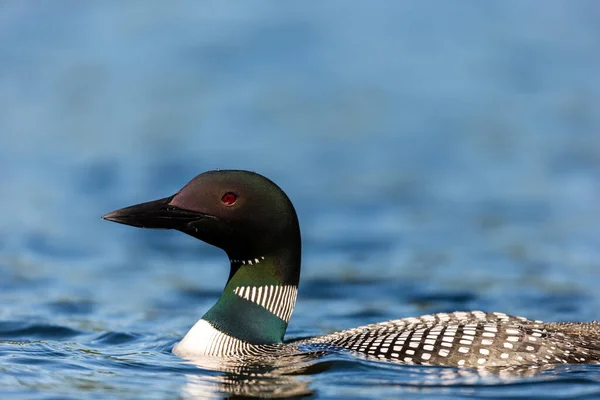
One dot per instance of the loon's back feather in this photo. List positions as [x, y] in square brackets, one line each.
[472, 339]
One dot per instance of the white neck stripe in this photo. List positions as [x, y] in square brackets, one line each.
[251, 261]
[279, 300]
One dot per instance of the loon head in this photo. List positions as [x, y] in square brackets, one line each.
[241, 212]
[254, 222]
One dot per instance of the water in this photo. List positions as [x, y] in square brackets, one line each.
[442, 156]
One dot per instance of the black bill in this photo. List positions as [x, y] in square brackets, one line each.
[157, 214]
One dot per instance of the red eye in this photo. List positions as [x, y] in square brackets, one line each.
[229, 198]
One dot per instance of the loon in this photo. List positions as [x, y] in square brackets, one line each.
[254, 222]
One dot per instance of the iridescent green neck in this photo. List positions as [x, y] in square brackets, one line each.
[258, 299]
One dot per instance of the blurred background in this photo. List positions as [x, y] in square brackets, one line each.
[441, 156]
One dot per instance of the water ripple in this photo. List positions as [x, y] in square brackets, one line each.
[26, 331]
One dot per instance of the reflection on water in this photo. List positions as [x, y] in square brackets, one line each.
[276, 377]
[288, 375]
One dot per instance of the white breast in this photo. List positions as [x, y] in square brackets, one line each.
[204, 340]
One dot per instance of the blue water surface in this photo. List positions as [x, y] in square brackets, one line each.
[441, 155]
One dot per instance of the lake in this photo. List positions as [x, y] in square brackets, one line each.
[441, 156]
